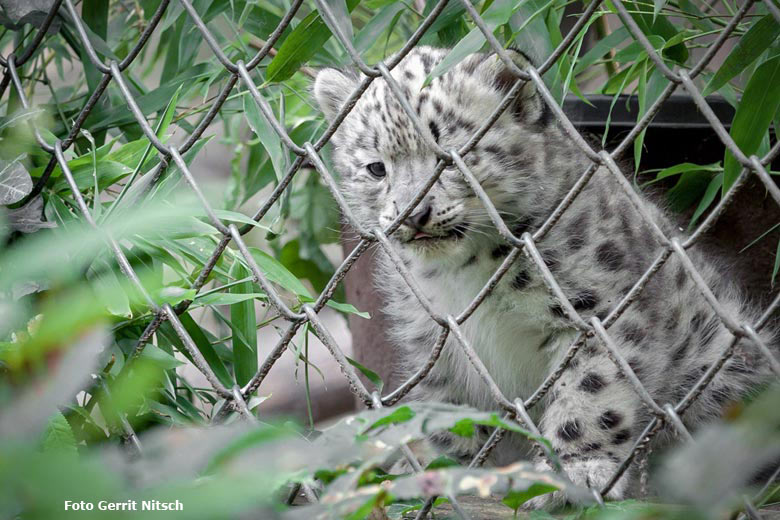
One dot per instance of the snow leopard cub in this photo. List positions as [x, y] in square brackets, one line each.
[597, 251]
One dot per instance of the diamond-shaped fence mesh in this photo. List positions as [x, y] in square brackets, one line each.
[516, 407]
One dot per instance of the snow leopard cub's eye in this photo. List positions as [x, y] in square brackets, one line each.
[377, 169]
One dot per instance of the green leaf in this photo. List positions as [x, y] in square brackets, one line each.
[168, 114]
[261, 23]
[617, 83]
[370, 32]
[777, 263]
[515, 499]
[497, 14]
[160, 357]
[689, 189]
[220, 298]
[77, 246]
[464, 428]
[755, 41]
[58, 436]
[243, 323]
[278, 273]
[449, 17]
[173, 295]
[759, 104]
[634, 50]
[686, 167]
[650, 89]
[341, 14]
[300, 46]
[376, 4]
[234, 216]
[95, 16]
[698, 19]
[709, 196]
[265, 132]
[348, 308]
[370, 374]
[308, 263]
[317, 211]
[406, 510]
[660, 26]
[107, 172]
[154, 101]
[657, 6]
[399, 415]
[530, 29]
[203, 344]
[110, 290]
[601, 48]
[692, 184]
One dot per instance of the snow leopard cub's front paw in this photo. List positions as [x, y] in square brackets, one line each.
[593, 472]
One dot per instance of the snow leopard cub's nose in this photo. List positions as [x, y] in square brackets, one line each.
[420, 216]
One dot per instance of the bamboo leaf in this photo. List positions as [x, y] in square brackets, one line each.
[278, 273]
[650, 89]
[497, 14]
[300, 46]
[228, 298]
[370, 32]
[341, 13]
[601, 48]
[651, 25]
[657, 6]
[689, 189]
[202, 343]
[754, 113]
[243, 323]
[265, 132]
[234, 216]
[161, 358]
[369, 374]
[709, 196]
[110, 290]
[686, 167]
[755, 41]
[348, 308]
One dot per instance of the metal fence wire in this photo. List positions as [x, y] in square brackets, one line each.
[515, 406]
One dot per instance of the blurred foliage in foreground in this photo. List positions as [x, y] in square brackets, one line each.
[55, 448]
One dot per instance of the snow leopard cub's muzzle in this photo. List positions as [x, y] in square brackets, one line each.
[433, 223]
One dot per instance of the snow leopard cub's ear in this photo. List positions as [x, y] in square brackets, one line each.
[332, 87]
[529, 107]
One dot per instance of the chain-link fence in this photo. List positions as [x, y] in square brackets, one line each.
[515, 407]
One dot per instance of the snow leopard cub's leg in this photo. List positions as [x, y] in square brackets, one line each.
[592, 418]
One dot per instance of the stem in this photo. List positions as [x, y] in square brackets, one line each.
[306, 377]
[602, 30]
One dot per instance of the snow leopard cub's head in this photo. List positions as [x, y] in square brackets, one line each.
[382, 159]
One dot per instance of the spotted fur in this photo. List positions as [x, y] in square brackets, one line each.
[596, 252]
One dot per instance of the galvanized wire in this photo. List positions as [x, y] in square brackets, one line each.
[450, 326]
